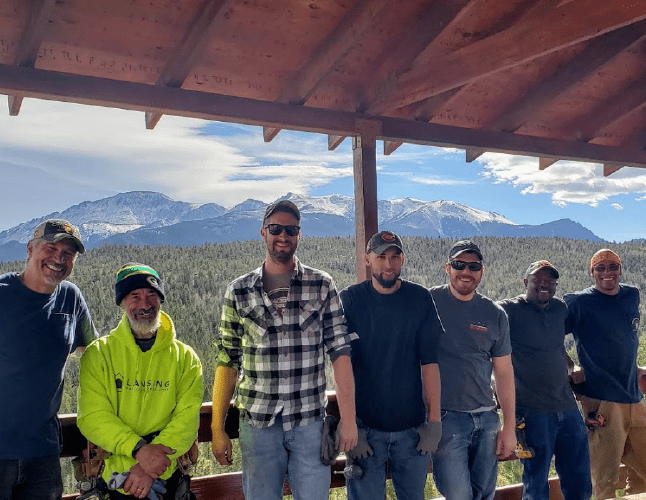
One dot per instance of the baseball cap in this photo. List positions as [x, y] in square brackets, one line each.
[282, 206]
[541, 264]
[58, 229]
[133, 276]
[382, 241]
[464, 246]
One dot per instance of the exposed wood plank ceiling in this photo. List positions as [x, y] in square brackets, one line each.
[555, 79]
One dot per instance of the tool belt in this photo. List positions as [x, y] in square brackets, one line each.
[89, 465]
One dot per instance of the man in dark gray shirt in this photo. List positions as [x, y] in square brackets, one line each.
[553, 424]
[475, 344]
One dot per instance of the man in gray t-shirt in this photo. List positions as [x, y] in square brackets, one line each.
[476, 343]
[544, 399]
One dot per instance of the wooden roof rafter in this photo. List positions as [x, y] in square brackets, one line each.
[557, 29]
[187, 54]
[30, 43]
[332, 49]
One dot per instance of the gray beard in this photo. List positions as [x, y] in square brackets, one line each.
[145, 326]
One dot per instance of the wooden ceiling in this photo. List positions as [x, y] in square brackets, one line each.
[554, 79]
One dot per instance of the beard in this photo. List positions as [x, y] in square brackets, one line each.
[384, 282]
[146, 325]
[281, 256]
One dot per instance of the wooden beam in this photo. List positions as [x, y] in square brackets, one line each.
[471, 154]
[613, 109]
[390, 147]
[331, 50]
[42, 84]
[364, 154]
[269, 133]
[543, 163]
[334, 141]
[609, 168]
[558, 29]
[429, 21]
[190, 49]
[598, 53]
[30, 43]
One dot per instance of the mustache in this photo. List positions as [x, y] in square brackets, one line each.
[150, 310]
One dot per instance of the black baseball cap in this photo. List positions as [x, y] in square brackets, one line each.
[282, 206]
[382, 241]
[541, 264]
[464, 246]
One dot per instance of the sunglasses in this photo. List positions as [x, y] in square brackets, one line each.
[459, 265]
[276, 229]
[613, 268]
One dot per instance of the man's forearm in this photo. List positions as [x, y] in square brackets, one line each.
[344, 380]
[432, 391]
[504, 375]
[224, 384]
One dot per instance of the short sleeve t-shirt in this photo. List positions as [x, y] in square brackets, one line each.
[475, 332]
[37, 332]
[398, 333]
[606, 331]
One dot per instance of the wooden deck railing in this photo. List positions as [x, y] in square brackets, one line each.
[229, 486]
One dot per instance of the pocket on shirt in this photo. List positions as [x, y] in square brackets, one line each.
[311, 316]
[253, 320]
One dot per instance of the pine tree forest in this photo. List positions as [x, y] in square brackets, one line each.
[196, 278]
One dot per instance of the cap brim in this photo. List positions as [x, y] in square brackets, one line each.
[379, 249]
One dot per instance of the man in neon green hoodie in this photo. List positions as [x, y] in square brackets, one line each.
[140, 391]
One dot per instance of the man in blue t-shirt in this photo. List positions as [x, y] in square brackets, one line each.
[604, 320]
[475, 344]
[44, 319]
[553, 424]
[397, 380]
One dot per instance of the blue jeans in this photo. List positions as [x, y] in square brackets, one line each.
[408, 468]
[31, 478]
[565, 436]
[465, 466]
[267, 454]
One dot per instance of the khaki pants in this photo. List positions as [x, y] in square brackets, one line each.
[621, 440]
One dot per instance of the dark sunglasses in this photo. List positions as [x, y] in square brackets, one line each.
[459, 265]
[276, 229]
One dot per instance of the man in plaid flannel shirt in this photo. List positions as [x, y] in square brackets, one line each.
[278, 322]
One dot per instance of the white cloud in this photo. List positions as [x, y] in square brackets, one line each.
[567, 182]
[431, 180]
[617, 206]
[76, 153]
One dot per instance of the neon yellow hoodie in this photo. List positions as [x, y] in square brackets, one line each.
[125, 393]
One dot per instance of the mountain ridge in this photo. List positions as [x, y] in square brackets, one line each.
[146, 217]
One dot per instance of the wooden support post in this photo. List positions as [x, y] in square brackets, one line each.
[364, 153]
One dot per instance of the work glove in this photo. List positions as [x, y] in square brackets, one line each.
[430, 434]
[363, 449]
[329, 440]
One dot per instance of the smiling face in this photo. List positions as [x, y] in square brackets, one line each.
[281, 247]
[48, 264]
[463, 283]
[143, 309]
[541, 286]
[385, 269]
[606, 275]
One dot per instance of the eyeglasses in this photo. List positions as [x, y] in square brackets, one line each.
[276, 229]
[613, 268]
[459, 265]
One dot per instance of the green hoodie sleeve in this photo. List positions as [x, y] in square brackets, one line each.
[97, 418]
[181, 431]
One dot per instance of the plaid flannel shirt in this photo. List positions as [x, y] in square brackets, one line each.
[282, 359]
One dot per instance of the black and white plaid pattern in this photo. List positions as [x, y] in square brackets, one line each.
[282, 358]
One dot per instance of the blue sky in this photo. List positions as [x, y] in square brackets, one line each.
[54, 155]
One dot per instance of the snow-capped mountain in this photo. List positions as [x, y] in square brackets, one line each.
[142, 217]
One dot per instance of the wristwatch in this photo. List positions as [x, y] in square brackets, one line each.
[138, 447]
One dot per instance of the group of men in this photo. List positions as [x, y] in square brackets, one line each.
[412, 366]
